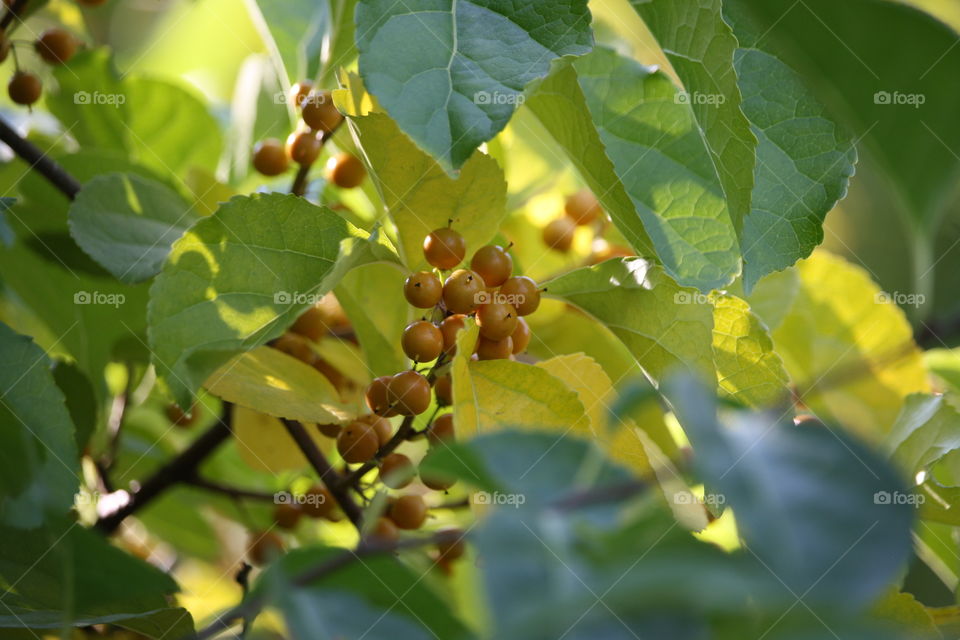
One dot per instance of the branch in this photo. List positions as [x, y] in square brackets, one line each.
[179, 469]
[230, 491]
[12, 12]
[330, 478]
[299, 186]
[38, 160]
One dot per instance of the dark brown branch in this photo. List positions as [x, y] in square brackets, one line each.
[230, 491]
[329, 477]
[300, 182]
[39, 161]
[13, 11]
[177, 470]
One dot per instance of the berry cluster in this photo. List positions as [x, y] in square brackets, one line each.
[54, 46]
[319, 119]
[582, 210]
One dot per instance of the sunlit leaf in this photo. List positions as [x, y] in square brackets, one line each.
[264, 443]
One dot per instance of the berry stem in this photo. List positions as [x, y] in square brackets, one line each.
[299, 187]
[403, 433]
[39, 161]
[329, 477]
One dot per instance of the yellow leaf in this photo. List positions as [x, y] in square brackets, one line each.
[274, 383]
[264, 444]
[848, 349]
[747, 366]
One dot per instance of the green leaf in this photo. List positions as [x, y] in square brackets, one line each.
[158, 624]
[804, 163]
[659, 159]
[945, 364]
[460, 461]
[748, 368]
[664, 326]
[700, 46]
[452, 72]
[80, 397]
[808, 500]
[238, 278]
[421, 197]
[128, 224]
[293, 32]
[7, 235]
[38, 456]
[163, 125]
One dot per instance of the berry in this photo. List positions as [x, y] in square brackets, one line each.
[358, 442]
[24, 88]
[496, 320]
[376, 397]
[311, 324]
[318, 112]
[303, 147]
[437, 482]
[330, 430]
[318, 502]
[453, 548]
[179, 417]
[287, 515]
[521, 336]
[396, 471]
[381, 426]
[299, 92]
[443, 388]
[55, 46]
[523, 292]
[422, 341]
[346, 171]
[296, 346]
[444, 248]
[270, 158]
[449, 328]
[423, 289]
[559, 234]
[461, 291]
[441, 430]
[264, 547]
[493, 264]
[494, 349]
[384, 531]
[409, 393]
[408, 512]
[582, 207]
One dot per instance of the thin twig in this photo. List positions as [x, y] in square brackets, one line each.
[13, 11]
[39, 161]
[230, 491]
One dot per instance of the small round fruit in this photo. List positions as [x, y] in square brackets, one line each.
[493, 264]
[287, 515]
[270, 158]
[559, 234]
[422, 341]
[303, 147]
[56, 46]
[299, 92]
[449, 328]
[496, 320]
[582, 207]
[453, 547]
[444, 248]
[396, 471]
[408, 512]
[437, 482]
[523, 294]
[521, 336]
[384, 531]
[346, 171]
[461, 291]
[318, 502]
[311, 324]
[264, 547]
[441, 430]
[409, 393]
[296, 346]
[423, 289]
[330, 430]
[381, 425]
[358, 442]
[24, 88]
[179, 417]
[377, 399]
[494, 349]
[443, 388]
[318, 111]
